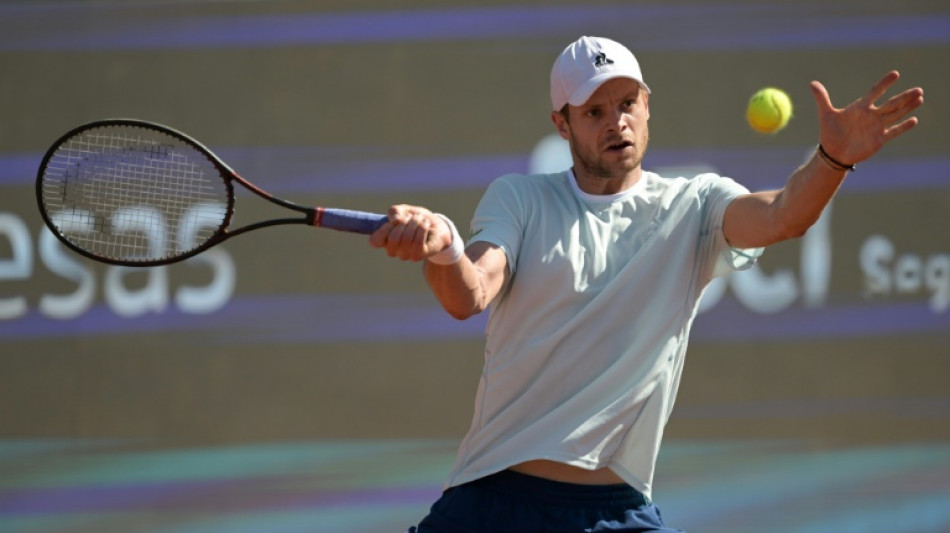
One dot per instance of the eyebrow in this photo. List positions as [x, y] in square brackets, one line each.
[632, 95]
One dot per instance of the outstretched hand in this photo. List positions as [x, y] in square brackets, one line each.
[858, 131]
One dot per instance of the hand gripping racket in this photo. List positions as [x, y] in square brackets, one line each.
[135, 193]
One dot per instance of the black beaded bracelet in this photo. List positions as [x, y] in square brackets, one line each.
[832, 162]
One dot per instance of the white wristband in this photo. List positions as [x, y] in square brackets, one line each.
[451, 254]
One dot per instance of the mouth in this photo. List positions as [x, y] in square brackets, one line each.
[618, 146]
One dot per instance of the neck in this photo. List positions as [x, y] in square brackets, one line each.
[607, 185]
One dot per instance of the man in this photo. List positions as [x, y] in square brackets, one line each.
[593, 277]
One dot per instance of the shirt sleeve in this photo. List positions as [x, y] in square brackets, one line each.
[499, 218]
[718, 192]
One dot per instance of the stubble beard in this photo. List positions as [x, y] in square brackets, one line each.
[595, 166]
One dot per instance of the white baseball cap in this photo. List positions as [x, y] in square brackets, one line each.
[586, 64]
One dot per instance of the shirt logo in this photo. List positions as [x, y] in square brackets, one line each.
[601, 60]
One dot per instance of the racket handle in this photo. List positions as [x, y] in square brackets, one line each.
[348, 220]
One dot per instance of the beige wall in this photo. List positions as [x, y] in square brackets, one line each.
[234, 378]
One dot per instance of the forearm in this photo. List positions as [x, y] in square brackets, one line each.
[806, 194]
[764, 218]
[458, 287]
[467, 287]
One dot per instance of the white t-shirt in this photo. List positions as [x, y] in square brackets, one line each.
[585, 345]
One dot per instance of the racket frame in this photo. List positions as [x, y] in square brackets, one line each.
[311, 216]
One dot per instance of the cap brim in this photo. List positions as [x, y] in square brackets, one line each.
[582, 94]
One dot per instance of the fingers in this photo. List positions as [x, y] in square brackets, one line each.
[406, 234]
[893, 113]
[900, 104]
[822, 98]
[402, 214]
[900, 129]
[860, 129]
[897, 107]
[881, 87]
[407, 241]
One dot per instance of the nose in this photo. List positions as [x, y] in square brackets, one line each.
[618, 120]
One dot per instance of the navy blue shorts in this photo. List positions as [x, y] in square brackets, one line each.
[518, 503]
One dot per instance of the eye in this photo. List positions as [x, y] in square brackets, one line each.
[593, 113]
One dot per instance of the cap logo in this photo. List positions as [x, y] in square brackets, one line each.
[601, 60]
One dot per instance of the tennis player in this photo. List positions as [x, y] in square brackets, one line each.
[592, 277]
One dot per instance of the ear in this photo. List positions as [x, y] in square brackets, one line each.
[646, 101]
[560, 123]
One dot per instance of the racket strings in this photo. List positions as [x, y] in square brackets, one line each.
[129, 193]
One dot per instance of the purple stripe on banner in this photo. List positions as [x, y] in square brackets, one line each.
[297, 171]
[723, 26]
[762, 168]
[418, 318]
[730, 321]
[314, 170]
[19, 169]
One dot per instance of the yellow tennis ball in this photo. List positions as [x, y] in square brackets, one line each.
[769, 110]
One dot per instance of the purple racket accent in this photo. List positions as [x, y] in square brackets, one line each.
[348, 220]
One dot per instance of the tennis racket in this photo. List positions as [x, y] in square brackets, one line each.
[135, 193]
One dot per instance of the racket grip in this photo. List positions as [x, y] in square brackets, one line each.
[348, 220]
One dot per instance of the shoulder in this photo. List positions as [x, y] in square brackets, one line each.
[700, 185]
[654, 182]
[531, 181]
[715, 183]
[526, 187]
